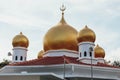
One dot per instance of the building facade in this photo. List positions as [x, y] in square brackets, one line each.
[67, 55]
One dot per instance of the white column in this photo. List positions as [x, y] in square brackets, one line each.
[86, 52]
[19, 54]
[100, 60]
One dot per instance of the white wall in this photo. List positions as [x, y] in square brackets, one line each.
[19, 78]
[57, 53]
[19, 51]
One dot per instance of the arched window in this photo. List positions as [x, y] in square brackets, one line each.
[80, 54]
[90, 54]
[21, 58]
[16, 58]
[85, 53]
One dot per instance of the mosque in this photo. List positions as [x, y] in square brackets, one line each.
[67, 55]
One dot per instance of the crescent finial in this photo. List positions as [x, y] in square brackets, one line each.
[62, 8]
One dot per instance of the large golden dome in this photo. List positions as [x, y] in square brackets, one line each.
[40, 54]
[99, 52]
[61, 36]
[20, 41]
[86, 34]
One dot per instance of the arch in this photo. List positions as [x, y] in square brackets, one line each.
[85, 53]
[21, 58]
[90, 54]
[80, 54]
[16, 58]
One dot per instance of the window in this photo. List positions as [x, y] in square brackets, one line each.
[80, 54]
[90, 54]
[85, 53]
[16, 58]
[91, 49]
[21, 58]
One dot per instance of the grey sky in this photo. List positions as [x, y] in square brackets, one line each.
[35, 17]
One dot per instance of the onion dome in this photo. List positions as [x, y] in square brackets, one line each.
[20, 41]
[86, 35]
[40, 54]
[99, 52]
[61, 36]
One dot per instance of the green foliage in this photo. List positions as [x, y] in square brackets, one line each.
[4, 63]
[116, 63]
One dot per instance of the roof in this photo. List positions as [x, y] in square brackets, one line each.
[57, 60]
[47, 61]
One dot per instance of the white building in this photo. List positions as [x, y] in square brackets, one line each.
[67, 54]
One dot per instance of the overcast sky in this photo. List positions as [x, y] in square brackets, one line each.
[35, 17]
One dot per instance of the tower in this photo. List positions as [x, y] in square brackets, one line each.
[20, 44]
[86, 39]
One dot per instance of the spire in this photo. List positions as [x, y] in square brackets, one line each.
[97, 45]
[21, 33]
[62, 8]
[86, 26]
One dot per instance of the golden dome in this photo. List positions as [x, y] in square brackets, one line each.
[61, 36]
[86, 34]
[99, 52]
[20, 41]
[40, 54]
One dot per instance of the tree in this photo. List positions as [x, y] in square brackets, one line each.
[4, 63]
[116, 63]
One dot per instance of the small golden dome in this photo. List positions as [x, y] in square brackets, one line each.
[40, 54]
[61, 36]
[20, 41]
[99, 52]
[86, 34]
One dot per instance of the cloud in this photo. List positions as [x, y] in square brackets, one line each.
[35, 17]
[114, 54]
[28, 21]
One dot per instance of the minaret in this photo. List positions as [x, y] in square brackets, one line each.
[20, 44]
[86, 45]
